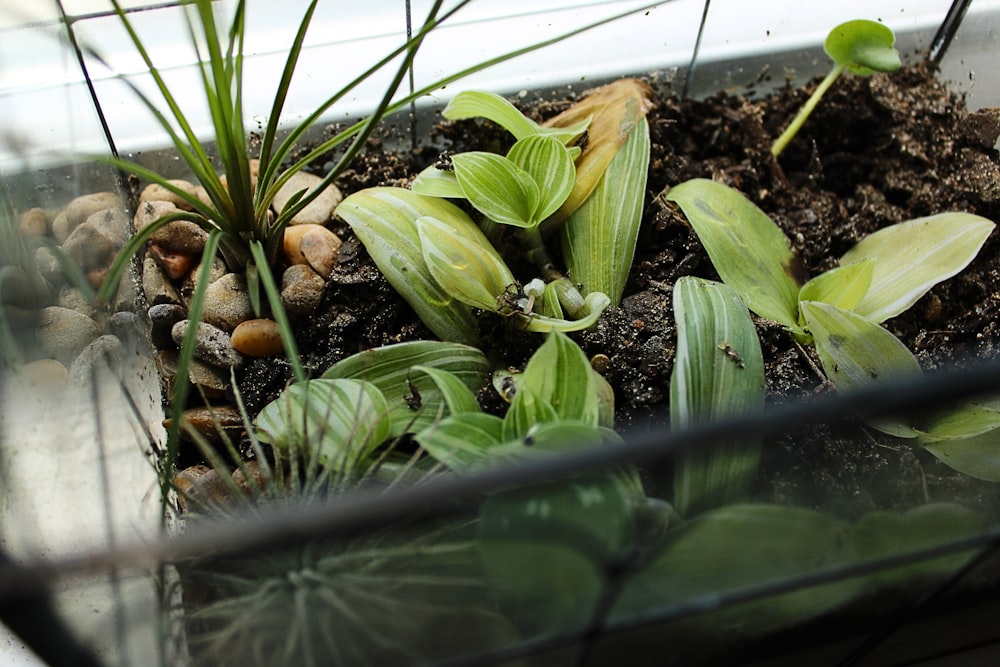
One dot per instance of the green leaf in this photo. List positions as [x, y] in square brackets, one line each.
[497, 188]
[737, 547]
[857, 353]
[598, 239]
[844, 286]
[338, 421]
[527, 410]
[457, 396]
[414, 399]
[550, 165]
[749, 252]
[493, 107]
[469, 270]
[385, 219]
[560, 373]
[977, 456]
[863, 47]
[595, 303]
[913, 256]
[462, 441]
[434, 182]
[544, 548]
[718, 373]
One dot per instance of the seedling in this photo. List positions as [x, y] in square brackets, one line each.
[860, 47]
[882, 276]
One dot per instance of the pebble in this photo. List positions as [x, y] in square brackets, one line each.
[46, 373]
[215, 423]
[73, 298]
[156, 192]
[320, 210]
[202, 489]
[227, 302]
[175, 265]
[48, 265]
[301, 289]
[111, 223]
[81, 208]
[127, 326]
[314, 245]
[16, 288]
[89, 247]
[258, 338]
[162, 318]
[212, 344]
[63, 333]
[211, 381]
[180, 236]
[150, 211]
[33, 223]
[155, 284]
[217, 270]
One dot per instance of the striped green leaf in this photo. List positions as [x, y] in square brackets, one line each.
[550, 165]
[434, 182]
[338, 421]
[385, 219]
[718, 373]
[469, 269]
[462, 441]
[560, 373]
[594, 305]
[497, 187]
[405, 374]
[749, 252]
[598, 239]
[911, 257]
[844, 286]
[493, 107]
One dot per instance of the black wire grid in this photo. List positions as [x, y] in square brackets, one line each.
[25, 609]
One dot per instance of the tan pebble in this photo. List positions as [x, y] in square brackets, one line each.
[215, 424]
[156, 192]
[33, 223]
[210, 380]
[200, 488]
[254, 481]
[96, 277]
[175, 265]
[112, 223]
[301, 289]
[43, 373]
[320, 210]
[314, 245]
[73, 298]
[217, 270]
[151, 211]
[63, 333]
[85, 206]
[258, 338]
[155, 285]
[89, 247]
[180, 236]
[227, 302]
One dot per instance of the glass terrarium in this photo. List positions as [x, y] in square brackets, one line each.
[561, 361]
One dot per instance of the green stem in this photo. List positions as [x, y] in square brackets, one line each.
[781, 142]
[569, 296]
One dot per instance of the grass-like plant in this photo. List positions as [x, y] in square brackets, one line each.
[860, 47]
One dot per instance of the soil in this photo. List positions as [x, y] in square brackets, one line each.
[876, 152]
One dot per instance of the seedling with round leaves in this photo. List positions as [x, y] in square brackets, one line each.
[860, 47]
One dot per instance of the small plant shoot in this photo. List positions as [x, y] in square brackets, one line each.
[860, 47]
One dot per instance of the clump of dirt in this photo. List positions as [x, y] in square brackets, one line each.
[876, 152]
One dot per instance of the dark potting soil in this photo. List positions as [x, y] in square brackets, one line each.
[876, 152]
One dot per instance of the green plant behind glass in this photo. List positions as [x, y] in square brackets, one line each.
[859, 47]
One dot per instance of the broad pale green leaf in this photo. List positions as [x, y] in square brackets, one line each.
[462, 441]
[718, 373]
[457, 396]
[844, 286]
[497, 188]
[414, 399]
[470, 270]
[963, 421]
[595, 303]
[857, 353]
[560, 373]
[598, 239]
[385, 221]
[912, 257]
[550, 165]
[738, 546]
[977, 456]
[749, 252]
[883, 534]
[339, 421]
[544, 548]
[863, 47]
[434, 182]
[493, 107]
